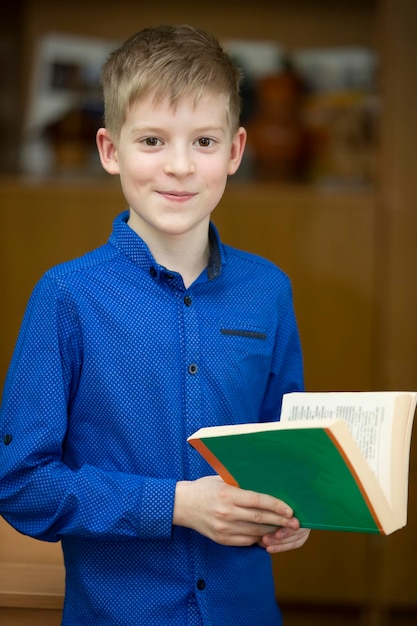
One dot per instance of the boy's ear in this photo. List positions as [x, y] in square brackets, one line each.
[236, 151]
[107, 151]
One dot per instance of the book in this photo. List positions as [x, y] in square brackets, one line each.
[339, 459]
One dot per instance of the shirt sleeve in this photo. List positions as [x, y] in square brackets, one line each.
[286, 373]
[40, 495]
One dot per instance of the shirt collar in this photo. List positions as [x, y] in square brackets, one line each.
[134, 247]
[216, 258]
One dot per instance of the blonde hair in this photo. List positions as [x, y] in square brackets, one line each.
[168, 61]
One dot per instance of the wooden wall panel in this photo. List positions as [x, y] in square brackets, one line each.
[29, 617]
[297, 23]
[397, 198]
[396, 263]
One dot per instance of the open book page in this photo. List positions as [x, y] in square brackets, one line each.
[401, 447]
[368, 415]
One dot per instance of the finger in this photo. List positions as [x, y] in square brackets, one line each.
[265, 509]
[256, 530]
[290, 541]
[263, 502]
[268, 518]
[286, 534]
[238, 527]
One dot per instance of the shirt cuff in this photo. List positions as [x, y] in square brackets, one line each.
[157, 508]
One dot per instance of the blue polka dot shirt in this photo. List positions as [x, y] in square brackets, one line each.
[116, 364]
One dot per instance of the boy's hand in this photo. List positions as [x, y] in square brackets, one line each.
[284, 539]
[233, 516]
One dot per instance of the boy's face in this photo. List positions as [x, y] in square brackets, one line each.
[173, 163]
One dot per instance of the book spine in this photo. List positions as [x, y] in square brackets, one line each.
[372, 511]
[201, 447]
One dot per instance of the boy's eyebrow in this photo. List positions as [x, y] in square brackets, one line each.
[160, 129]
[210, 129]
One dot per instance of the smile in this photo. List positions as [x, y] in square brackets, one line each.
[177, 196]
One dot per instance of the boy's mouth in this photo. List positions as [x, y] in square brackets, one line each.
[177, 195]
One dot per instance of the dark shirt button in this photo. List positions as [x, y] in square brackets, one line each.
[7, 439]
[170, 276]
[193, 368]
[201, 584]
[187, 300]
[152, 271]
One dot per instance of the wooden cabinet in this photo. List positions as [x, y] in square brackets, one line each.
[352, 259]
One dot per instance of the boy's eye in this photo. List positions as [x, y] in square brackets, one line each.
[151, 141]
[205, 142]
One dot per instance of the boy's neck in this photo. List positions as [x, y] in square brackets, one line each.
[187, 254]
[188, 260]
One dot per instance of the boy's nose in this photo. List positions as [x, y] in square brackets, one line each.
[179, 162]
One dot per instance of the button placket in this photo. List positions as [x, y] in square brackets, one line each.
[191, 365]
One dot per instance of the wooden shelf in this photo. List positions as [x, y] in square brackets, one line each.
[27, 585]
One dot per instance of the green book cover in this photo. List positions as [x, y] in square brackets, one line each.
[304, 467]
[339, 459]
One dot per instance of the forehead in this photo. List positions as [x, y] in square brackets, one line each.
[211, 107]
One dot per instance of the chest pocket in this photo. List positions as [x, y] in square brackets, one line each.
[241, 332]
[245, 340]
[247, 354]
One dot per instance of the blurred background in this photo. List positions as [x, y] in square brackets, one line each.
[327, 190]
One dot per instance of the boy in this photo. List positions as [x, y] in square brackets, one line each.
[126, 351]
